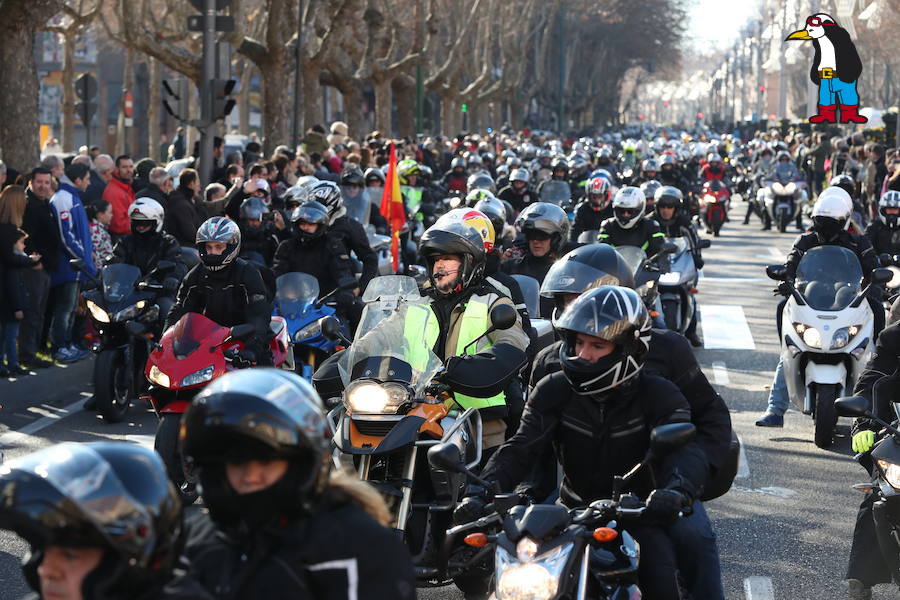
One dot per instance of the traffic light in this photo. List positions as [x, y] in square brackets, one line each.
[176, 100]
[762, 88]
[641, 116]
[222, 104]
[699, 115]
[666, 103]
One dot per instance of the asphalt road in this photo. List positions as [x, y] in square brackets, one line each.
[788, 519]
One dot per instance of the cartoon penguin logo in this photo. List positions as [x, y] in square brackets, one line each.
[835, 69]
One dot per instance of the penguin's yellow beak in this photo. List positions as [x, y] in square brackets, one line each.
[799, 35]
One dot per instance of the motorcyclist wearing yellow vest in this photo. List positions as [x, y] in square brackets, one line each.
[418, 199]
[462, 301]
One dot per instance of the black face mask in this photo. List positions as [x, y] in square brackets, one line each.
[827, 228]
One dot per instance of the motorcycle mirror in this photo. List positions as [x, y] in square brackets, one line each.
[76, 264]
[669, 437]
[241, 332]
[704, 244]
[503, 316]
[165, 266]
[776, 272]
[331, 330]
[852, 406]
[885, 259]
[881, 275]
[668, 248]
[349, 283]
[446, 457]
[135, 328]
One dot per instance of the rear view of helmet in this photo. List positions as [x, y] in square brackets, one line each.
[328, 194]
[547, 219]
[218, 230]
[628, 206]
[831, 213]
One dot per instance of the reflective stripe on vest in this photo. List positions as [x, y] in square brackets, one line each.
[420, 330]
[475, 321]
[413, 198]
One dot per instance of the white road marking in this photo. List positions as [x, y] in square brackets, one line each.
[743, 471]
[720, 373]
[777, 492]
[735, 279]
[725, 327]
[13, 438]
[142, 439]
[758, 588]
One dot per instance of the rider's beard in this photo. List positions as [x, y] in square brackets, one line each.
[446, 281]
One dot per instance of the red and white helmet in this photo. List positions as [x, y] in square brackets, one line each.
[598, 187]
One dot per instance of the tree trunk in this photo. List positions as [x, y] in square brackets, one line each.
[516, 113]
[193, 135]
[275, 104]
[353, 99]
[406, 107]
[123, 136]
[155, 101]
[19, 127]
[243, 98]
[312, 95]
[68, 89]
[383, 98]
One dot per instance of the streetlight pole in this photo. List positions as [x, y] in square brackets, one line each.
[206, 99]
[782, 89]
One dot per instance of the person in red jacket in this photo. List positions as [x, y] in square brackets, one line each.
[120, 195]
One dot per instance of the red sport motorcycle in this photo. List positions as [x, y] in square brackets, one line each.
[714, 200]
[192, 353]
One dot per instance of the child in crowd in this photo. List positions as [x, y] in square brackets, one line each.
[14, 299]
[99, 215]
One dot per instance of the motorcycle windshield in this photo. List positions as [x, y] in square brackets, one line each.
[556, 192]
[633, 256]
[681, 246]
[397, 348]
[530, 289]
[391, 285]
[357, 202]
[118, 281]
[190, 331]
[295, 292]
[784, 174]
[828, 277]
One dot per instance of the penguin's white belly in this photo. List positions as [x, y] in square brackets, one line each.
[828, 61]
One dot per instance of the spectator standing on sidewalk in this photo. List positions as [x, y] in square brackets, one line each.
[75, 233]
[39, 223]
[13, 262]
[99, 216]
[120, 194]
[101, 173]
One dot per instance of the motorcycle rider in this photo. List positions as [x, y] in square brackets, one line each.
[674, 221]
[462, 300]
[669, 174]
[353, 190]
[628, 226]
[670, 357]
[830, 216]
[259, 238]
[279, 522]
[455, 178]
[649, 189]
[860, 211]
[883, 231]
[226, 288]
[79, 549]
[594, 209]
[602, 388]
[323, 256]
[348, 232]
[713, 169]
[649, 171]
[559, 171]
[517, 192]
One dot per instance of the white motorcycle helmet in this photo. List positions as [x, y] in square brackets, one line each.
[628, 206]
[146, 210]
[831, 213]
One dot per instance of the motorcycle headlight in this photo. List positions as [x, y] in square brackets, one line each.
[201, 376]
[891, 473]
[157, 377]
[778, 188]
[311, 330]
[369, 397]
[537, 579]
[843, 336]
[99, 315]
[790, 188]
[670, 278]
[810, 335]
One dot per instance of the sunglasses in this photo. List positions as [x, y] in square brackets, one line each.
[817, 22]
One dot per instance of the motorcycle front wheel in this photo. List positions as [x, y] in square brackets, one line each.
[111, 385]
[825, 417]
[166, 445]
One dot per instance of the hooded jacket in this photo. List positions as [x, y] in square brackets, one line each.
[74, 231]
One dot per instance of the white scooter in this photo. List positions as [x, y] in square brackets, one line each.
[827, 333]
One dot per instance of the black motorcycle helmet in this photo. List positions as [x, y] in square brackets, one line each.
[585, 267]
[495, 210]
[845, 182]
[560, 164]
[890, 200]
[219, 229]
[310, 212]
[253, 209]
[353, 176]
[372, 175]
[615, 314]
[258, 414]
[548, 219]
[667, 197]
[454, 238]
[111, 495]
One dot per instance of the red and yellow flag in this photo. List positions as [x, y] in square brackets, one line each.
[392, 206]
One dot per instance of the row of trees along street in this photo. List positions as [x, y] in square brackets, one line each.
[517, 61]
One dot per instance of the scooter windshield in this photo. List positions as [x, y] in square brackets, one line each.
[118, 281]
[556, 192]
[633, 256]
[356, 200]
[398, 348]
[190, 331]
[295, 293]
[383, 296]
[828, 277]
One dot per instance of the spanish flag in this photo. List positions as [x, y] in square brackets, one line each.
[392, 206]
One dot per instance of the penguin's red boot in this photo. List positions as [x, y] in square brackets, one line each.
[849, 114]
[827, 114]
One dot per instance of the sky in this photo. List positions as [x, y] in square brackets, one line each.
[717, 23]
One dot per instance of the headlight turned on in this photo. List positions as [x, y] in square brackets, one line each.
[810, 335]
[891, 473]
[157, 377]
[100, 315]
[534, 580]
[371, 397]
